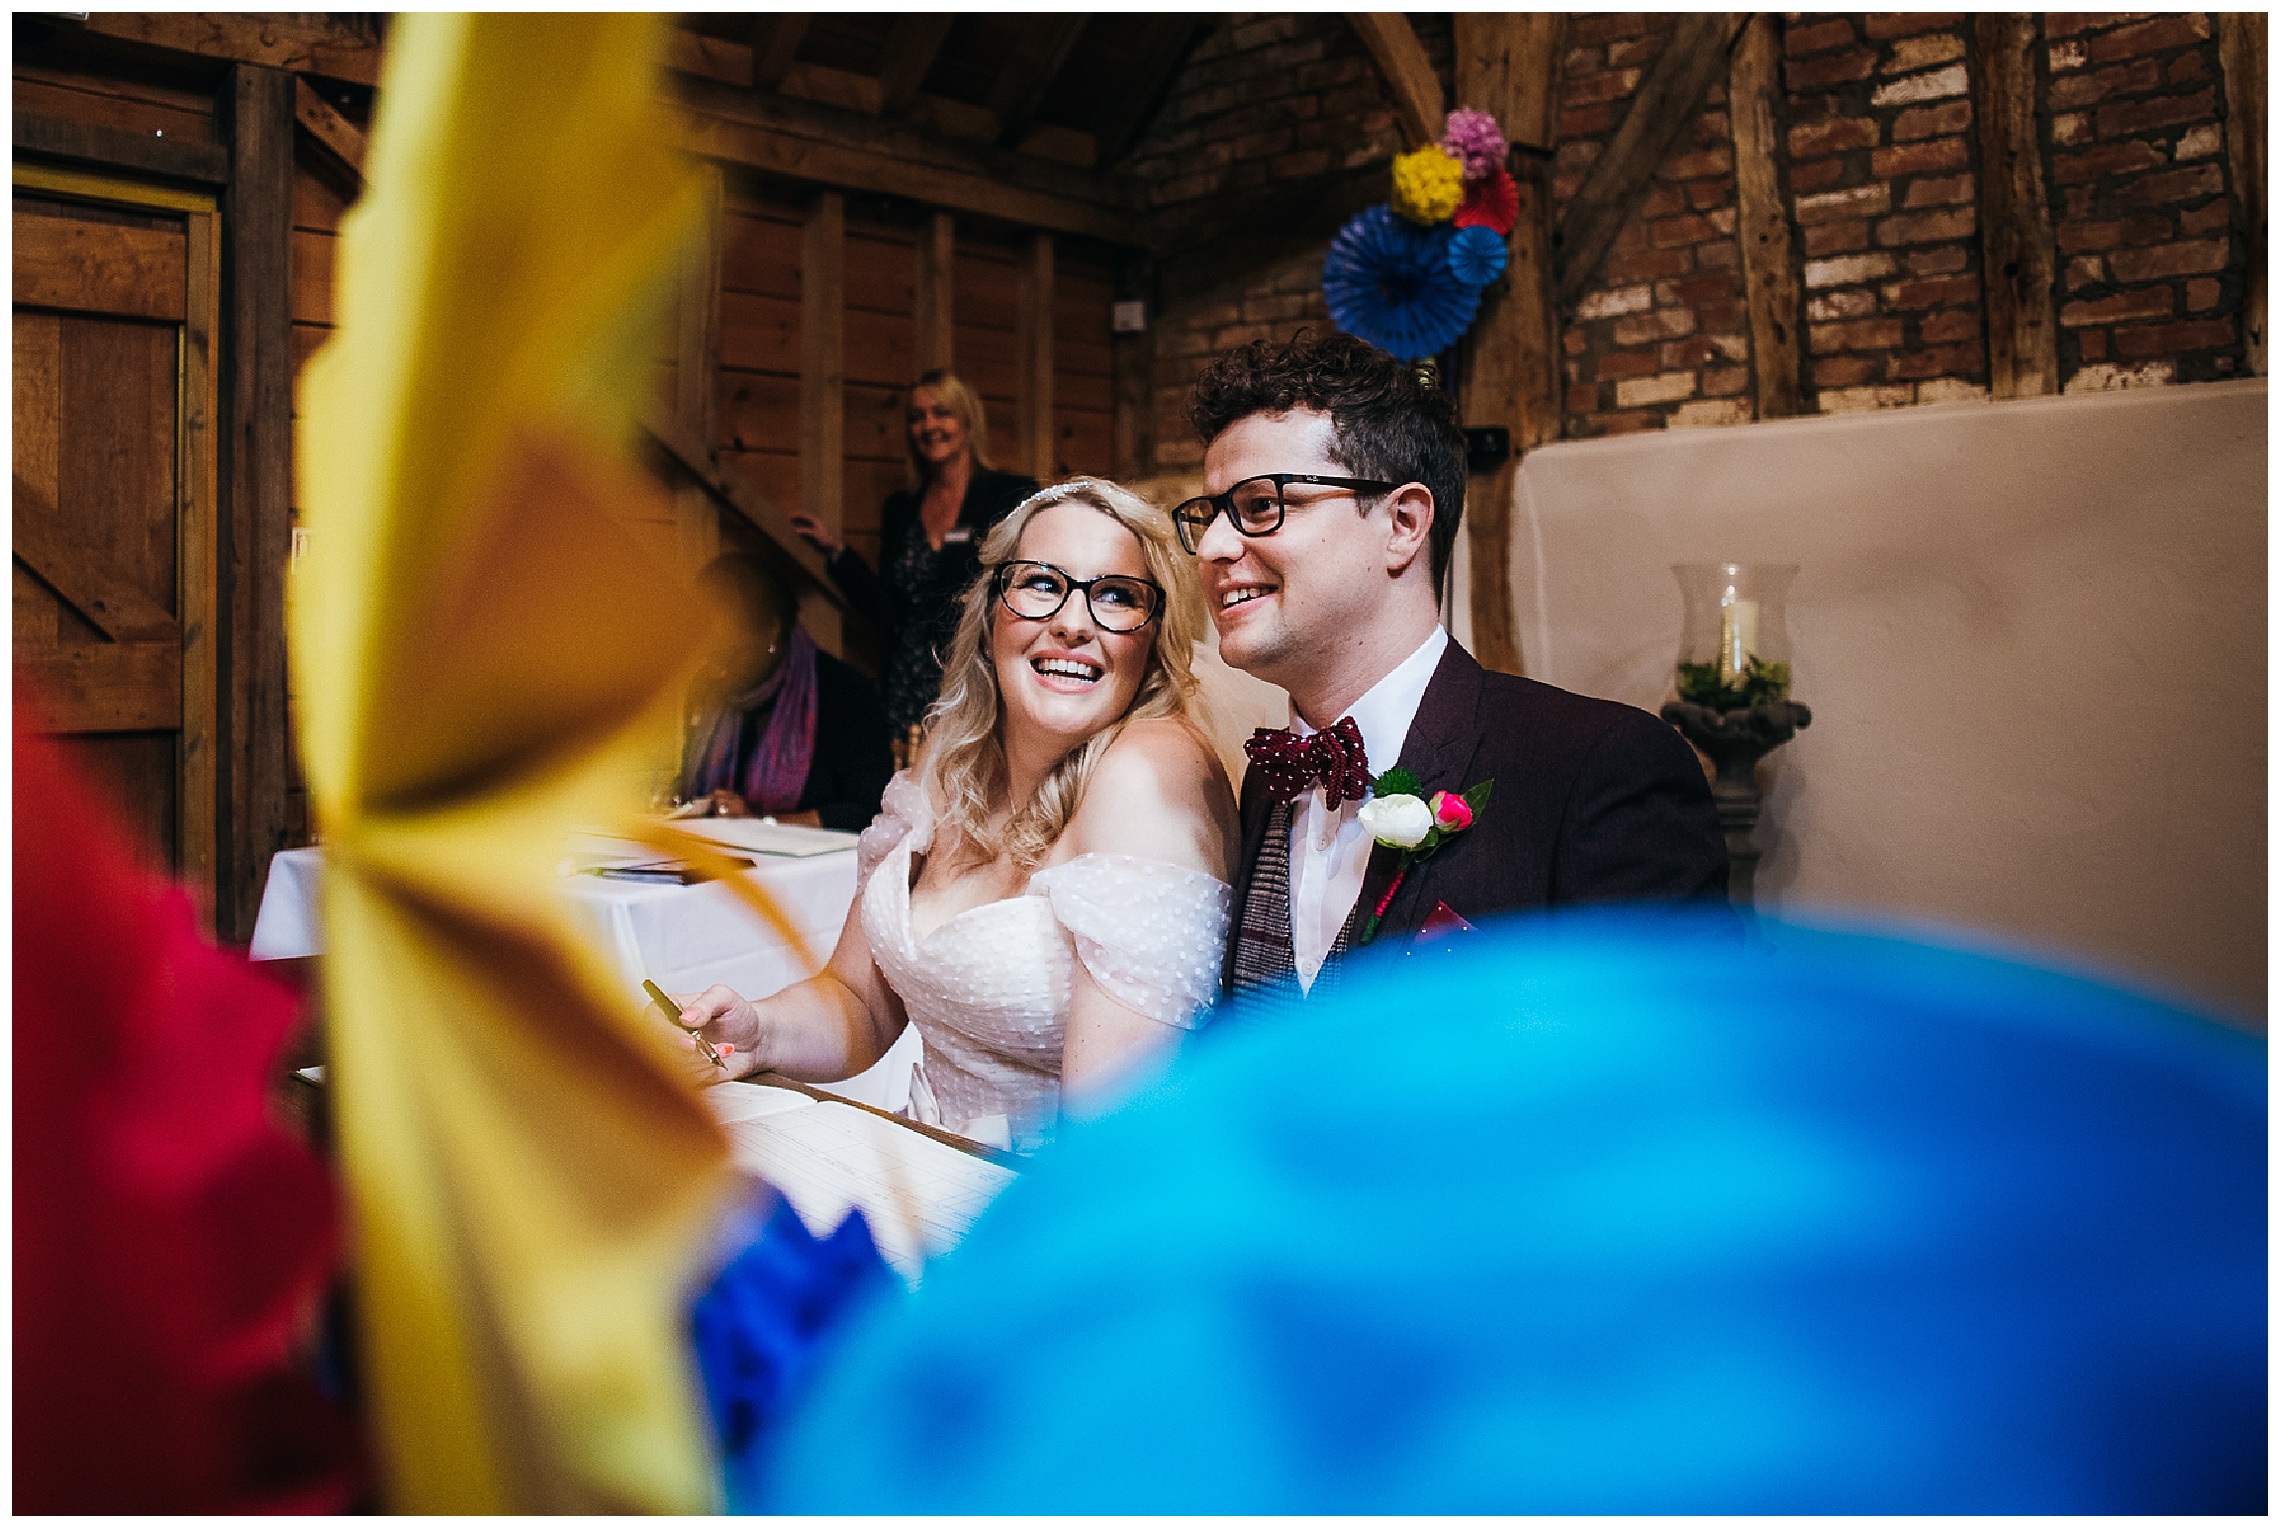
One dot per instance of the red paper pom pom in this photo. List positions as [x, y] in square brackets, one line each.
[1492, 202]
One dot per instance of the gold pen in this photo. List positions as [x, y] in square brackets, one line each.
[657, 995]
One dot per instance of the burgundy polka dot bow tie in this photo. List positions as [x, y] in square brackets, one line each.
[1333, 759]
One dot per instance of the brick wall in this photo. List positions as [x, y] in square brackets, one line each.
[1882, 179]
[2153, 274]
[1262, 100]
[1879, 170]
[1659, 338]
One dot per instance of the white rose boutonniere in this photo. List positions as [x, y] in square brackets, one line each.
[1396, 816]
[1399, 822]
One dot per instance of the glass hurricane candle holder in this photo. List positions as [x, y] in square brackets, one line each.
[1733, 652]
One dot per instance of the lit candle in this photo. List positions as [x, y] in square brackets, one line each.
[1737, 638]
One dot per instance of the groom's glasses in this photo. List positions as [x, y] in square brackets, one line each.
[1255, 506]
[1036, 591]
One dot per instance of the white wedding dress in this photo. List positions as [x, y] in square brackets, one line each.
[989, 989]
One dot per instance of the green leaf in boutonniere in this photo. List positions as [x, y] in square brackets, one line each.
[1396, 782]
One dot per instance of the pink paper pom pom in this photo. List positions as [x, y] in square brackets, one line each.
[1474, 138]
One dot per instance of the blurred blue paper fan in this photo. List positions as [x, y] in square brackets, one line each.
[1390, 282]
[1476, 255]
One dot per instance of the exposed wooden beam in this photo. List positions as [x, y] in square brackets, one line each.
[712, 58]
[819, 145]
[257, 525]
[823, 368]
[775, 42]
[341, 139]
[2242, 54]
[1119, 122]
[116, 148]
[912, 47]
[1508, 64]
[692, 458]
[335, 52]
[1033, 359]
[1770, 286]
[1027, 78]
[936, 291]
[1409, 76]
[1693, 57]
[2017, 260]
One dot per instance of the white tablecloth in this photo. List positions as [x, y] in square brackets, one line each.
[684, 938]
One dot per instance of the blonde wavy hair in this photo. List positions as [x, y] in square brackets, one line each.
[964, 769]
[966, 404]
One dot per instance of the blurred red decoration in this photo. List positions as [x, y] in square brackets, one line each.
[1492, 202]
[170, 1237]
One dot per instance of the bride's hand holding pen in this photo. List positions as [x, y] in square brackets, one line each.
[718, 1030]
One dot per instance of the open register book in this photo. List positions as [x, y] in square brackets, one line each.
[918, 1194]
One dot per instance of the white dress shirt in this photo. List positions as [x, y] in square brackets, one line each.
[1329, 852]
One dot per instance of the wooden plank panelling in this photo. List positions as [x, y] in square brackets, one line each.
[313, 277]
[1770, 283]
[99, 267]
[822, 371]
[1692, 59]
[116, 687]
[2018, 262]
[1033, 350]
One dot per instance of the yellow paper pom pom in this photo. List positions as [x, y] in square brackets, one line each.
[1428, 184]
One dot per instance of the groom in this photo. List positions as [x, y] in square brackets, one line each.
[1335, 485]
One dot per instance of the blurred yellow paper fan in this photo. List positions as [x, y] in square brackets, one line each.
[484, 659]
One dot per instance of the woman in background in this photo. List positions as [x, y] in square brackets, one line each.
[1045, 895]
[930, 542]
[780, 729]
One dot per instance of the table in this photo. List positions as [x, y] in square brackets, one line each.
[684, 938]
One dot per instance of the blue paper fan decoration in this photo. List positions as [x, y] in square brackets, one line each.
[1476, 256]
[1390, 282]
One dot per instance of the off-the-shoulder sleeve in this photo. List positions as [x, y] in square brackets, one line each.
[1152, 935]
[903, 813]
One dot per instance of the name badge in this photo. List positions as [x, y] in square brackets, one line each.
[957, 535]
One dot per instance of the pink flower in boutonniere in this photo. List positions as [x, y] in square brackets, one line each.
[1451, 814]
[1397, 818]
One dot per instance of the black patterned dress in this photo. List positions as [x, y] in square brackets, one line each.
[914, 599]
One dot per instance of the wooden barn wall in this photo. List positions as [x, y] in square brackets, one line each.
[758, 409]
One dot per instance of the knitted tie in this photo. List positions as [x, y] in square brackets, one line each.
[1288, 764]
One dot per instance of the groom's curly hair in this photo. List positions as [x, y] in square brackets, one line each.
[1384, 423]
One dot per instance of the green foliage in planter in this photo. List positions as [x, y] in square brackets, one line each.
[1761, 683]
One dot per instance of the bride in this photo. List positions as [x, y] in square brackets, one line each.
[1045, 893]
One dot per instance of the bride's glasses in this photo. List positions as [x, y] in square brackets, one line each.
[1035, 591]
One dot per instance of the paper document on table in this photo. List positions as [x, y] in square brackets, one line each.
[918, 1195]
[761, 835]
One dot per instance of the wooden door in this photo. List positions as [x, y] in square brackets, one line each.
[114, 603]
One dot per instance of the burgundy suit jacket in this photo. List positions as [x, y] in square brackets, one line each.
[1594, 802]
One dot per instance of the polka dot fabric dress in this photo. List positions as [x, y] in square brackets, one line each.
[989, 989]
